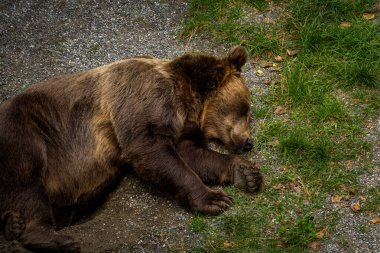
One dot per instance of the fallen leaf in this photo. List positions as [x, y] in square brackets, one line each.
[267, 82]
[336, 199]
[265, 64]
[349, 164]
[259, 73]
[368, 16]
[295, 187]
[274, 143]
[370, 125]
[320, 234]
[279, 110]
[279, 187]
[363, 199]
[292, 52]
[278, 58]
[286, 120]
[356, 206]
[375, 220]
[314, 245]
[345, 24]
[227, 244]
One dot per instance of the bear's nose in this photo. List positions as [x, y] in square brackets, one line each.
[248, 145]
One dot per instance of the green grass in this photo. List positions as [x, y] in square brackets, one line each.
[329, 91]
[224, 21]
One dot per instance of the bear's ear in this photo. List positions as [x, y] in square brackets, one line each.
[237, 57]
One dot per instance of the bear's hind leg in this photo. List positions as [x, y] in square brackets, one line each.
[33, 225]
[41, 238]
[14, 225]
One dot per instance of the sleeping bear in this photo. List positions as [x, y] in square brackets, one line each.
[65, 141]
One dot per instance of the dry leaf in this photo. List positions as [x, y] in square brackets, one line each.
[368, 16]
[370, 125]
[292, 52]
[279, 186]
[274, 143]
[267, 82]
[356, 206]
[295, 187]
[363, 199]
[349, 164]
[227, 244]
[286, 120]
[336, 199]
[278, 58]
[259, 73]
[314, 245]
[345, 24]
[279, 110]
[265, 64]
[375, 220]
[320, 234]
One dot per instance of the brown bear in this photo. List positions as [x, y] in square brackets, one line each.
[63, 142]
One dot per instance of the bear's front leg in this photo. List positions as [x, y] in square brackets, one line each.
[160, 163]
[216, 168]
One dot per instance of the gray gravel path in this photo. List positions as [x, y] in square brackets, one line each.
[354, 233]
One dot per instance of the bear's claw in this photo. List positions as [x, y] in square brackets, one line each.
[212, 202]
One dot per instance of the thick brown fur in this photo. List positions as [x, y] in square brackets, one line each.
[65, 140]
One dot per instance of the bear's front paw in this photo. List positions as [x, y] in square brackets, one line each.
[247, 176]
[210, 201]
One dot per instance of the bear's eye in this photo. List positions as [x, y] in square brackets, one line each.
[243, 109]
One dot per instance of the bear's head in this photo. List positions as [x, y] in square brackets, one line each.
[223, 95]
[226, 112]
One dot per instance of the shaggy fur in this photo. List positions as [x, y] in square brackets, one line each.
[64, 142]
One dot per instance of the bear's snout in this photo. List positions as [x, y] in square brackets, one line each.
[248, 145]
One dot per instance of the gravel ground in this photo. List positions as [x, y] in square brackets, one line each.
[41, 39]
[354, 233]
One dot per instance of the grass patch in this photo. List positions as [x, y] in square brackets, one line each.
[329, 91]
[225, 20]
[373, 200]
